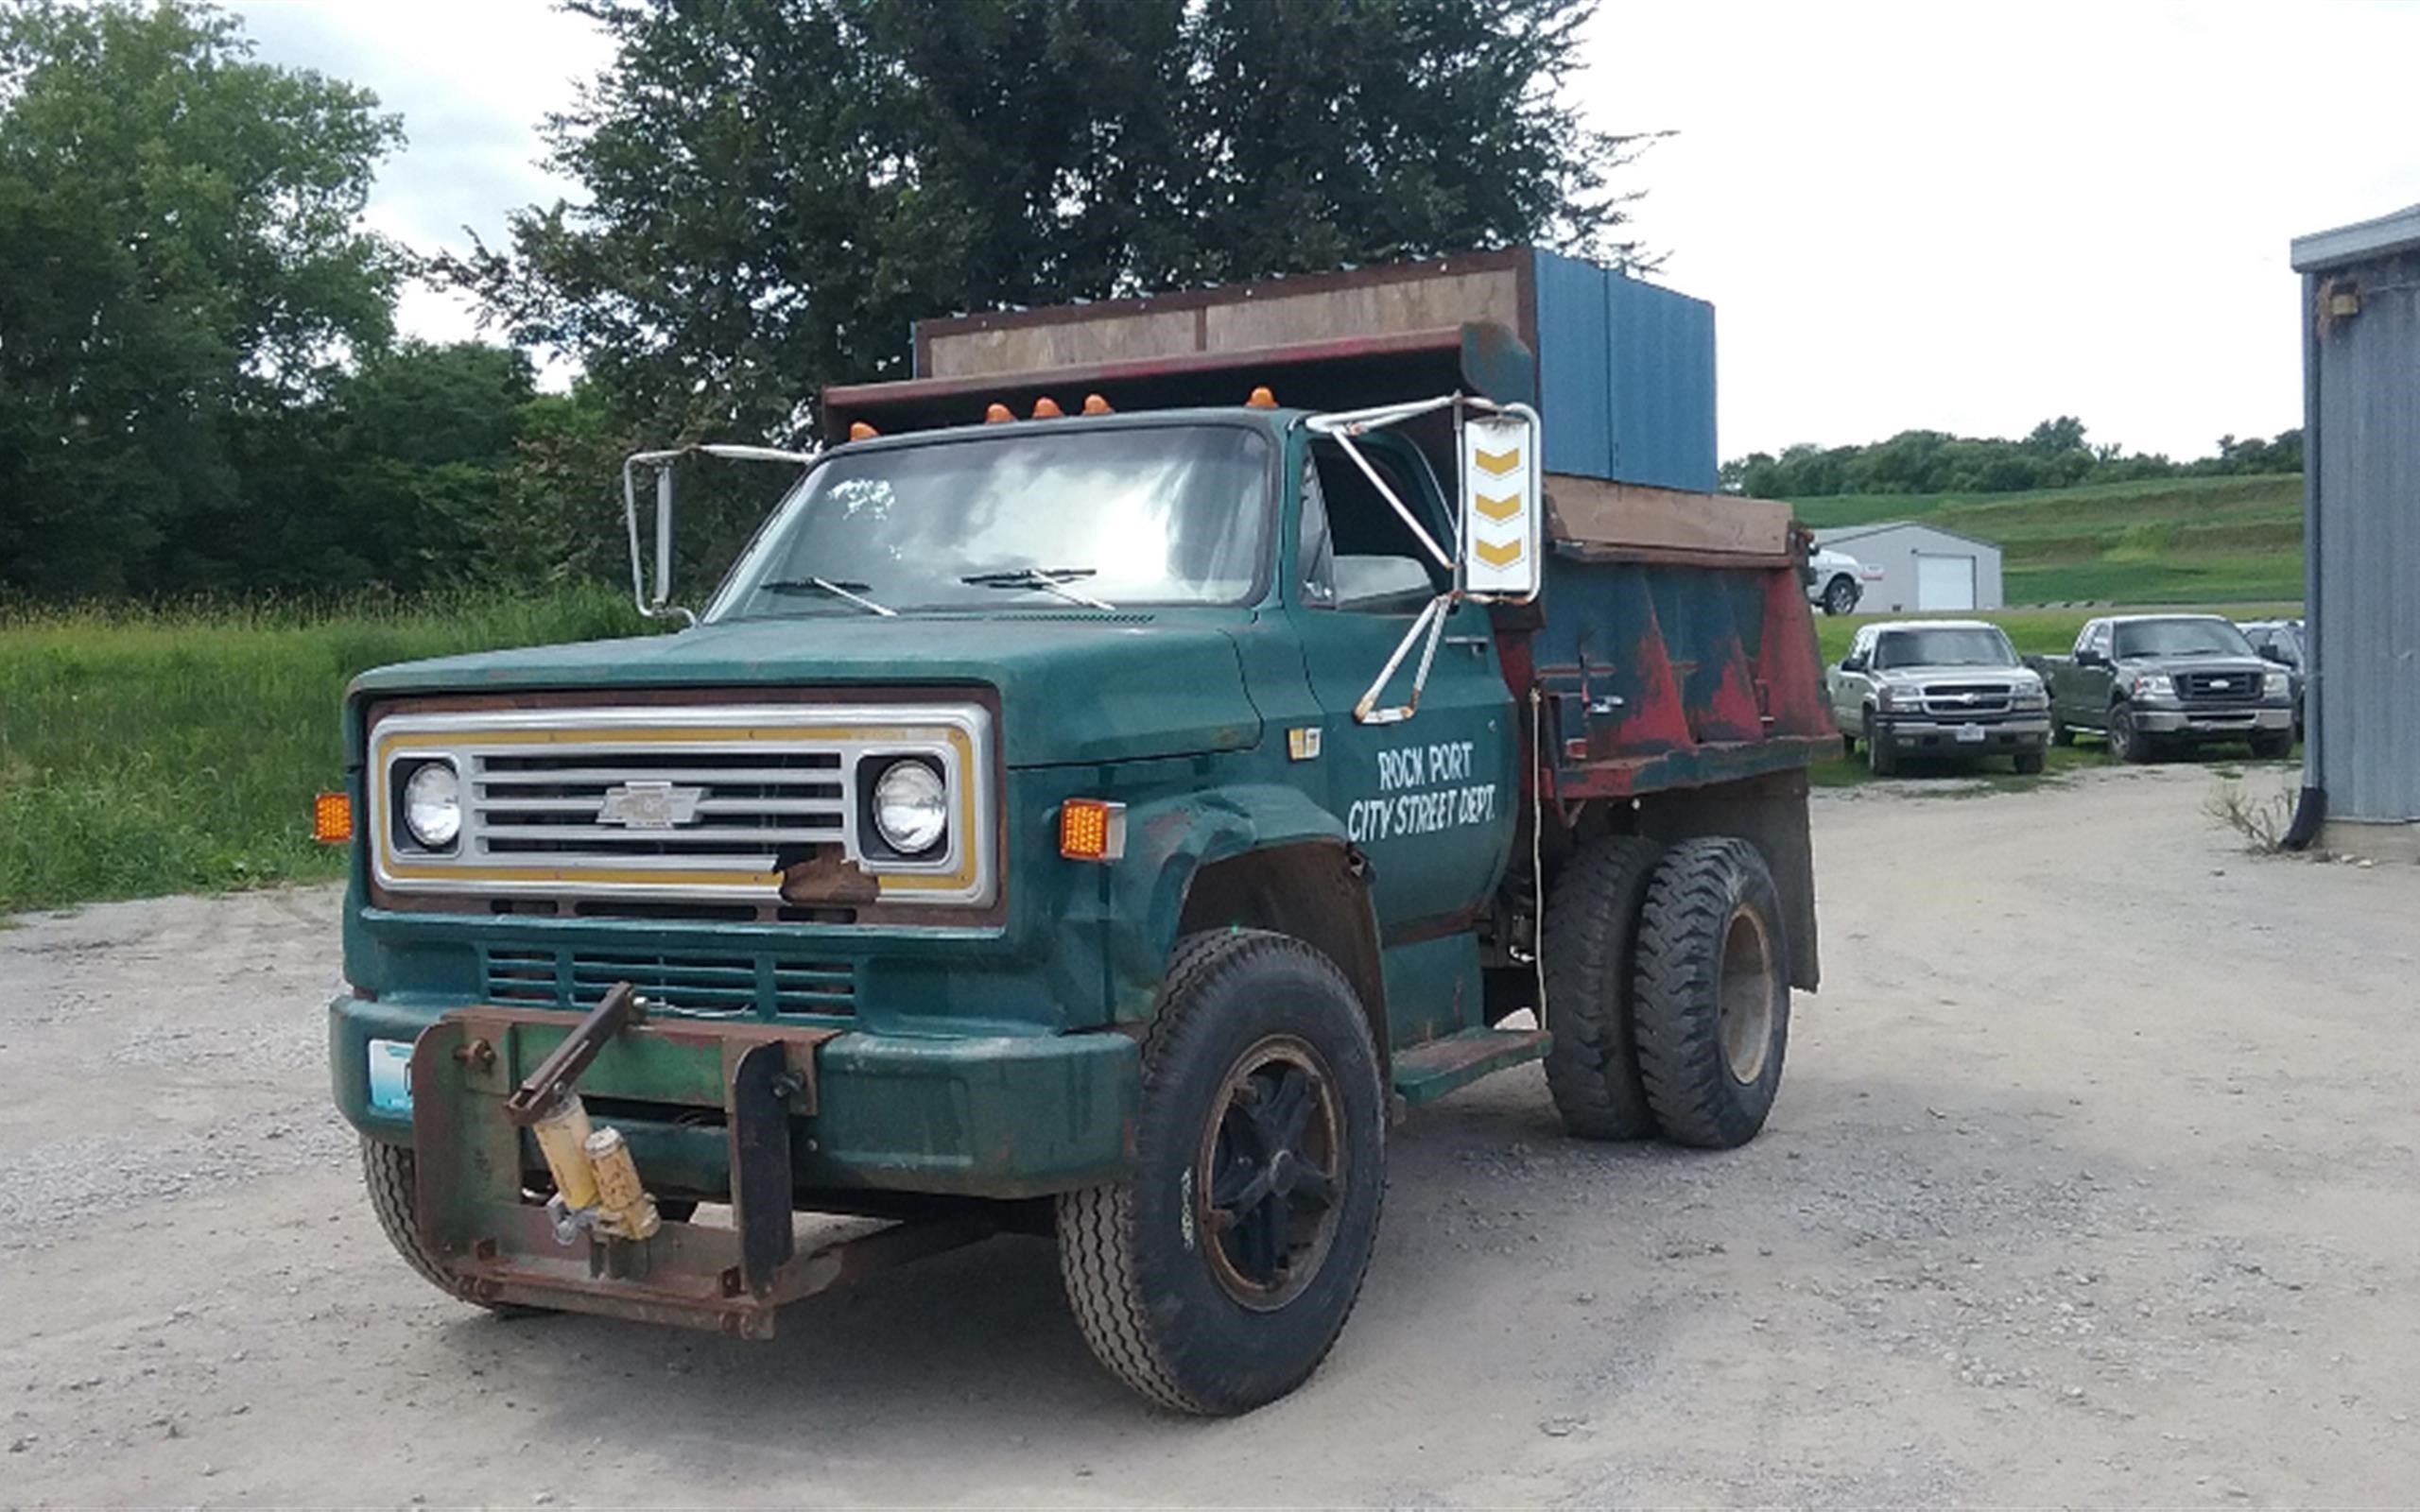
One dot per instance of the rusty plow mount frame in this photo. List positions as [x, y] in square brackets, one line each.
[483, 1075]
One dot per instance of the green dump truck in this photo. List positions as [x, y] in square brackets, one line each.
[1099, 822]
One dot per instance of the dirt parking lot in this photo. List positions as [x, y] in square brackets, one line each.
[2094, 1178]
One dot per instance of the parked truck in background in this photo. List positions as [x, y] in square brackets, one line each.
[1939, 688]
[1101, 819]
[2153, 682]
[1836, 580]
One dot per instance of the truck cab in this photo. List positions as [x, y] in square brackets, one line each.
[1098, 820]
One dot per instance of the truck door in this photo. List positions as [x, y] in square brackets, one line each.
[1431, 799]
[2083, 698]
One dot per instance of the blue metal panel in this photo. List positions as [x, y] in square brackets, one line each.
[1626, 374]
[2363, 701]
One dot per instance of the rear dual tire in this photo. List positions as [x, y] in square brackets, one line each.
[1667, 991]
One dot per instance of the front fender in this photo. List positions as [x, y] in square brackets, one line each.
[1168, 840]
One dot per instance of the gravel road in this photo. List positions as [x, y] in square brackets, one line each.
[2096, 1177]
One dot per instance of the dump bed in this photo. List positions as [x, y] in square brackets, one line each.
[1673, 646]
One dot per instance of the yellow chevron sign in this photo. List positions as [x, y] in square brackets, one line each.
[1504, 508]
[1496, 556]
[1497, 463]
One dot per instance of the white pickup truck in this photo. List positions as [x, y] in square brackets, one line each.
[1836, 580]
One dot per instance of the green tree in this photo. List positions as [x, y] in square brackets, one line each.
[778, 188]
[181, 266]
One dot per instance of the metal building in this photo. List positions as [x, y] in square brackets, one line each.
[1925, 568]
[2361, 536]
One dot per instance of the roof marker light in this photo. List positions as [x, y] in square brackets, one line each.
[996, 413]
[860, 431]
[1261, 399]
[1047, 408]
[1095, 404]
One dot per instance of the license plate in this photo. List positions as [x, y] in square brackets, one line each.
[390, 1075]
[1971, 735]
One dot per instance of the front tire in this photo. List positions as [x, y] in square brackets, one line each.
[1591, 922]
[1839, 595]
[2029, 763]
[2127, 742]
[2269, 745]
[1218, 1275]
[391, 1175]
[1713, 993]
[1881, 757]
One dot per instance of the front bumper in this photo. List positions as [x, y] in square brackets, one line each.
[1002, 1116]
[2215, 724]
[1959, 737]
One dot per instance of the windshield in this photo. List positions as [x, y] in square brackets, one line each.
[2181, 638]
[1159, 514]
[1964, 646]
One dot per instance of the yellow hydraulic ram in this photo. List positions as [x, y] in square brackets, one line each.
[595, 1180]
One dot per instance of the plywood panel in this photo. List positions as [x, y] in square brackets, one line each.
[1365, 310]
[1592, 512]
[1068, 343]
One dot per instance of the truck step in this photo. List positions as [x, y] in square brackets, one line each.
[1426, 1073]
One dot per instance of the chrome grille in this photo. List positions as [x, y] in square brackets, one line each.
[682, 802]
[2219, 687]
[1954, 698]
[676, 983]
[746, 805]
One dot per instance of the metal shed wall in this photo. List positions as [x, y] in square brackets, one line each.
[2362, 519]
[1626, 379]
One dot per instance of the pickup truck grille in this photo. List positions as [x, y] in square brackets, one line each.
[2219, 687]
[1951, 699]
[677, 983]
[696, 803]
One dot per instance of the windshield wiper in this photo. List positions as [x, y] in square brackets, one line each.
[1050, 580]
[823, 585]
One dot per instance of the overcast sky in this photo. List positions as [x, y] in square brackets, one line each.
[1960, 217]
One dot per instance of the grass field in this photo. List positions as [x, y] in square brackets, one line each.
[177, 750]
[2168, 540]
[155, 751]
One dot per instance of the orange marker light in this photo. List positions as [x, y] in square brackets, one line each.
[860, 431]
[1047, 408]
[995, 413]
[332, 818]
[1261, 399]
[1095, 404]
[1092, 830]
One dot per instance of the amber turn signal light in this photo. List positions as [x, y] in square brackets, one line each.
[996, 413]
[1261, 399]
[1047, 408]
[1095, 404]
[1091, 829]
[860, 431]
[332, 818]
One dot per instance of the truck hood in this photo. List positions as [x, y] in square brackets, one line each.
[2197, 663]
[1079, 687]
[1953, 672]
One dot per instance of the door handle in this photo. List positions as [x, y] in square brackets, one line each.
[1477, 642]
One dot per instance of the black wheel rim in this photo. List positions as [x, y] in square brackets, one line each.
[1270, 1178]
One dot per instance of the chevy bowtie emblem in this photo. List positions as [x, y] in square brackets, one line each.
[649, 805]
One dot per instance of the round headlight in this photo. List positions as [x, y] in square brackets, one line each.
[910, 807]
[433, 805]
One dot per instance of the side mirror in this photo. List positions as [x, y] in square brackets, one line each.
[1503, 505]
[2274, 652]
[1854, 662]
[659, 605]
[2087, 656]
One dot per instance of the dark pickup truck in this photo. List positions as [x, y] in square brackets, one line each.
[2150, 682]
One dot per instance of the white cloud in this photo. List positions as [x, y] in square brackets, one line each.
[1963, 216]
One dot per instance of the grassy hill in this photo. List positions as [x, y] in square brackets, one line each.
[2168, 541]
